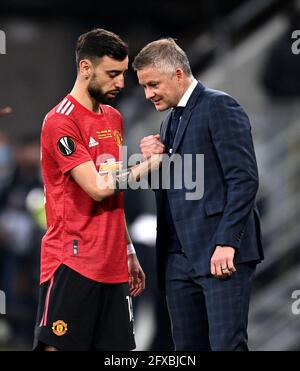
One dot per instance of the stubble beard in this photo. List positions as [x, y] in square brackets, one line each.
[97, 94]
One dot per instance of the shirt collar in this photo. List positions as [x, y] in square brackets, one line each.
[186, 96]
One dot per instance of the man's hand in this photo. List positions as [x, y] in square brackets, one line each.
[136, 276]
[221, 263]
[151, 145]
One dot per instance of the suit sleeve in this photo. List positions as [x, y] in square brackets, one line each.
[232, 140]
[61, 138]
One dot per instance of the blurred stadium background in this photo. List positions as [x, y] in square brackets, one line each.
[240, 46]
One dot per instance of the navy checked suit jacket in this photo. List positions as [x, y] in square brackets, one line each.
[215, 125]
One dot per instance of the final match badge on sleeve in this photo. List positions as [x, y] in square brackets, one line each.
[110, 166]
[59, 328]
[66, 146]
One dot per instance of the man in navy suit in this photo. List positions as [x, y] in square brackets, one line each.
[207, 247]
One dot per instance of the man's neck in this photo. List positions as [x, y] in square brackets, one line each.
[82, 96]
[185, 94]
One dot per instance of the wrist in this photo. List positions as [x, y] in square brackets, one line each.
[122, 179]
[130, 249]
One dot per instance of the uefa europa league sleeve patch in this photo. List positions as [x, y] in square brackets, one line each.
[66, 146]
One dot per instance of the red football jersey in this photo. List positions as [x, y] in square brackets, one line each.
[86, 235]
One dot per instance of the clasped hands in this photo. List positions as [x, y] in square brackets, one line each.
[151, 145]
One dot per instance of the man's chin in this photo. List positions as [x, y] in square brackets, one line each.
[104, 100]
[160, 107]
[101, 98]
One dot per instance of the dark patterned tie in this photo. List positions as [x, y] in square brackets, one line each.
[175, 118]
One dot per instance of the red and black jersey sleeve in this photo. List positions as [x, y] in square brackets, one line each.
[61, 140]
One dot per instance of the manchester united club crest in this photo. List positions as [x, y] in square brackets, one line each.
[118, 137]
[59, 328]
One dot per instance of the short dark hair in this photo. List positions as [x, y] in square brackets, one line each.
[163, 54]
[99, 43]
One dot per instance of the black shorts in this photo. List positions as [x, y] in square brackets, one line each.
[76, 313]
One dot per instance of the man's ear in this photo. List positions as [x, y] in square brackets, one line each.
[85, 68]
[179, 73]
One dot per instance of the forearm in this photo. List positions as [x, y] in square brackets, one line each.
[124, 179]
[101, 186]
[128, 238]
[130, 248]
[95, 185]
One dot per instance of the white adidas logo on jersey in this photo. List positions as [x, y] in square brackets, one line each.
[93, 142]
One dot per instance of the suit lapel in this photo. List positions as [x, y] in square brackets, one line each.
[181, 128]
[164, 128]
[195, 98]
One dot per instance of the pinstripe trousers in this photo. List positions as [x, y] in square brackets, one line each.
[207, 313]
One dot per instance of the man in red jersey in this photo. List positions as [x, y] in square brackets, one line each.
[85, 301]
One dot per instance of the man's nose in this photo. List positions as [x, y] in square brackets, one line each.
[149, 94]
[120, 82]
